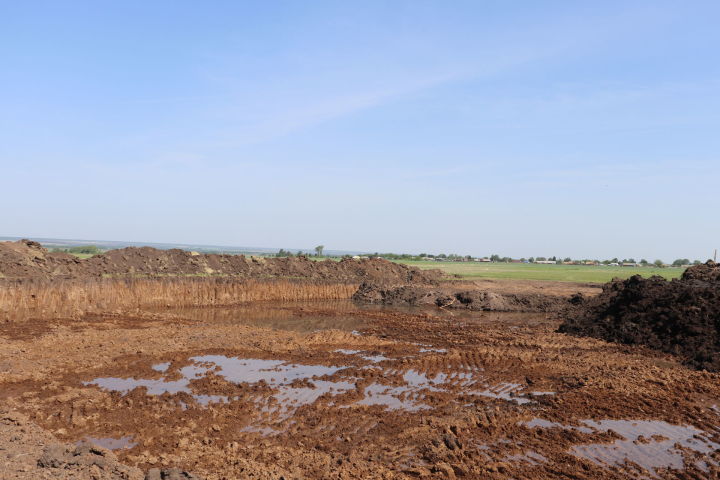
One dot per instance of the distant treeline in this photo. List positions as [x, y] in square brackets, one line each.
[84, 249]
[452, 257]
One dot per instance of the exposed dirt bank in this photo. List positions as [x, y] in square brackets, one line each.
[680, 316]
[25, 259]
[456, 297]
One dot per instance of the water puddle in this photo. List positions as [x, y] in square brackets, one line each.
[393, 398]
[542, 423]
[510, 392]
[279, 387]
[161, 367]
[277, 316]
[420, 381]
[273, 373]
[431, 349]
[110, 443]
[376, 358]
[649, 444]
[533, 458]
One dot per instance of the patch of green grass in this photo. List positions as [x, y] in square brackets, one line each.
[531, 271]
[82, 256]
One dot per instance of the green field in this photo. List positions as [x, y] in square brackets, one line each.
[83, 256]
[530, 271]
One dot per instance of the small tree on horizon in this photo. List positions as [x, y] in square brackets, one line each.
[319, 250]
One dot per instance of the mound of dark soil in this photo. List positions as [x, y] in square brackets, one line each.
[29, 260]
[679, 316]
[417, 295]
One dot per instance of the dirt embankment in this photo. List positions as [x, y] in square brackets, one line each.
[452, 297]
[26, 259]
[680, 316]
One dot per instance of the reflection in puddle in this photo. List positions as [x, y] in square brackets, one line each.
[110, 443]
[276, 316]
[394, 398]
[650, 444]
[371, 358]
[419, 380]
[433, 350]
[285, 386]
[161, 367]
[533, 458]
[507, 391]
[542, 423]
[252, 370]
[274, 373]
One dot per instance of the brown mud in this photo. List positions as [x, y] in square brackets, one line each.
[369, 393]
[681, 316]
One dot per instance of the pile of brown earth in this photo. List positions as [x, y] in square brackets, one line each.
[681, 316]
[450, 297]
[26, 259]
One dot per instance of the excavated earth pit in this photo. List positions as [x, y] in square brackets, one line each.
[338, 390]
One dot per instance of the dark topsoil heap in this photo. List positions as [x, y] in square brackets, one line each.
[679, 316]
[26, 259]
[453, 298]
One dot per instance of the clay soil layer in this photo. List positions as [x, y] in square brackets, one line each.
[335, 390]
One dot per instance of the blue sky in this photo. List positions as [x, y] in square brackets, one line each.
[582, 129]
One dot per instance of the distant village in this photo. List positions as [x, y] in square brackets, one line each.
[615, 262]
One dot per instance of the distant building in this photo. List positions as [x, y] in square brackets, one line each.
[628, 264]
[545, 262]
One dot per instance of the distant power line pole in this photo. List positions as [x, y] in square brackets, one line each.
[715, 256]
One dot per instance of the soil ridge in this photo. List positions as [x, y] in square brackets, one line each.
[26, 259]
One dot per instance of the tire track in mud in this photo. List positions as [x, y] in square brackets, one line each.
[427, 360]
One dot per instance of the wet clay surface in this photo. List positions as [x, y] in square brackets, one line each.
[363, 393]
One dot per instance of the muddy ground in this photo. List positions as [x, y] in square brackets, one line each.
[337, 390]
